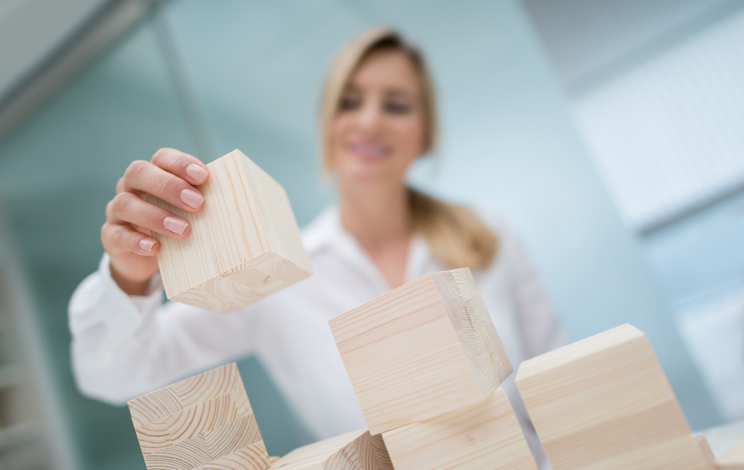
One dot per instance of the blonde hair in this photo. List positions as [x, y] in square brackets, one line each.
[455, 234]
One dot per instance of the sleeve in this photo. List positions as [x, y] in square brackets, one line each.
[541, 328]
[125, 346]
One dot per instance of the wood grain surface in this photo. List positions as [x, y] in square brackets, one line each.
[485, 436]
[605, 403]
[732, 459]
[244, 243]
[356, 450]
[204, 422]
[710, 458]
[421, 350]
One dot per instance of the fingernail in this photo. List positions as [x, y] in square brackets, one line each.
[175, 225]
[196, 172]
[147, 244]
[191, 198]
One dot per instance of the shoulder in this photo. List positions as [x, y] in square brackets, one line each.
[496, 223]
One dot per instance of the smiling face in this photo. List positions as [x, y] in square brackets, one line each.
[379, 128]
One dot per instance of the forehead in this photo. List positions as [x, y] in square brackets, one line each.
[386, 70]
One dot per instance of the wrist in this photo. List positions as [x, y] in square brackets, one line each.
[129, 286]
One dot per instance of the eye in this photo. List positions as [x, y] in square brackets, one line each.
[396, 107]
[349, 103]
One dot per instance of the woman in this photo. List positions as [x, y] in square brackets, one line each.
[377, 115]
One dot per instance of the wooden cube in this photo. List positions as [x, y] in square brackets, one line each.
[484, 436]
[244, 243]
[604, 402]
[421, 350]
[204, 422]
[732, 459]
[357, 450]
[707, 452]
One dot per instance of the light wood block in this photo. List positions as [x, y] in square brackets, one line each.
[732, 459]
[357, 450]
[421, 350]
[201, 423]
[710, 458]
[485, 436]
[605, 403]
[244, 243]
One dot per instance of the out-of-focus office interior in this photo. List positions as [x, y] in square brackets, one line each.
[609, 133]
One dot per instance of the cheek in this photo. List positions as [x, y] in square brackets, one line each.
[338, 129]
[411, 136]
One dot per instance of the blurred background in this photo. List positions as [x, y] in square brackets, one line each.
[609, 133]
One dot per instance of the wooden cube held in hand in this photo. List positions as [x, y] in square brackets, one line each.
[356, 450]
[484, 436]
[421, 350]
[604, 402]
[244, 243]
[205, 422]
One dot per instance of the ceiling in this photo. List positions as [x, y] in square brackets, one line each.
[586, 38]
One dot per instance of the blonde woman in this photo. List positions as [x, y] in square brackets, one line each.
[377, 116]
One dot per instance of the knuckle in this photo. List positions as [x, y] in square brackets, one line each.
[161, 154]
[135, 168]
[120, 203]
[110, 235]
[110, 209]
[158, 155]
[153, 216]
[170, 185]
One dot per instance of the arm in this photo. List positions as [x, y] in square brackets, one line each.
[124, 346]
[124, 342]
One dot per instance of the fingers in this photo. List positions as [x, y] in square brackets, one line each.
[146, 177]
[183, 165]
[118, 238]
[170, 176]
[128, 208]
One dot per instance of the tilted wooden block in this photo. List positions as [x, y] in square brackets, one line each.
[485, 436]
[421, 350]
[710, 459]
[732, 459]
[357, 450]
[605, 403]
[244, 243]
[201, 423]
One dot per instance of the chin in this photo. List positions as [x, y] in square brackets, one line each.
[361, 175]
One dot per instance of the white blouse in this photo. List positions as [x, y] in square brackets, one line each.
[125, 346]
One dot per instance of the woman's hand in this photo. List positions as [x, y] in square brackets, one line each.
[171, 176]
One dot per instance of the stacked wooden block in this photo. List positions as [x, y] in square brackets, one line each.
[426, 363]
[202, 423]
[244, 243]
[356, 450]
[732, 459]
[605, 403]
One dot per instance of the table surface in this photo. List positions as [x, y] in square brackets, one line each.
[721, 438]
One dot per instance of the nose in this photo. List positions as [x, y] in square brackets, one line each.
[369, 118]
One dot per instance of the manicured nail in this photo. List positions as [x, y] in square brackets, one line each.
[196, 172]
[191, 198]
[175, 225]
[147, 244]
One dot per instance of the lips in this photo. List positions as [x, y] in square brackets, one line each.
[370, 151]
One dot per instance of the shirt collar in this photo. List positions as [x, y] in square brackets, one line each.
[327, 232]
